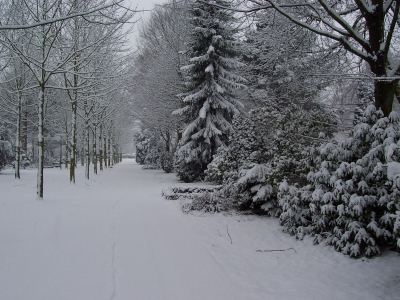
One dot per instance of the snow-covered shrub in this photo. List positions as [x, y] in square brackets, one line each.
[298, 131]
[218, 166]
[254, 190]
[189, 171]
[354, 203]
[167, 162]
[155, 153]
[6, 153]
[142, 146]
[209, 203]
[50, 162]
[248, 143]
[270, 146]
[198, 198]
[245, 143]
[6, 149]
[174, 193]
[25, 160]
[296, 214]
[151, 152]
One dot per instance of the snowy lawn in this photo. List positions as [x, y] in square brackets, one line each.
[115, 237]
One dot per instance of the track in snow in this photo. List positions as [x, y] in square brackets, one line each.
[60, 248]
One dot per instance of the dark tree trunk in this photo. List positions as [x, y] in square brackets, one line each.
[18, 139]
[101, 147]
[94, 145]
[72, 165]
[106, 165]
[384, 94]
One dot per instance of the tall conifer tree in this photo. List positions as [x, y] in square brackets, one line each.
[209, 103]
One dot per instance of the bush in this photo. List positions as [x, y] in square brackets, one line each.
[353, 199]
[6, 153]
[151, 152]
[167, 162]
[6, 147]
[188, 171]
[142, 146]
[270, 146]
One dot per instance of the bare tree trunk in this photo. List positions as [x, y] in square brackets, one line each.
[33, 148]
[18, 139]
[24, 137]
[94, 150]
[87, 150]
[72, 165]
[61, 162]
[42, 86]
[109, 152]
[105, 152]
[83, 139]
[83, 154]
[67, 148]
[101, 147]
[40, 142]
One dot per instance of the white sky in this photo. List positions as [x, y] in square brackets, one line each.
[145, 4]
[142, 5]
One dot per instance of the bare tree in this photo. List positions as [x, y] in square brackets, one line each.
[369, 29]
[43, 26]
[157, 75]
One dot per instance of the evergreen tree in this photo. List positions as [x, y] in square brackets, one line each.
[142, 146]
[352, 199]
[281, 62]
[209, 103]
[271, 146]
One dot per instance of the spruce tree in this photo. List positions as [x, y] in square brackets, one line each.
[209, 103]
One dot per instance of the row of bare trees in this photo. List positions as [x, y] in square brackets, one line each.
[157, 75]
[64, 71]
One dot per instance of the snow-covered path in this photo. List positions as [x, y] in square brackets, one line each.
[115, 237]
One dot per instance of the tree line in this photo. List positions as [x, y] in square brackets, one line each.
[63, 83]
[287, 105]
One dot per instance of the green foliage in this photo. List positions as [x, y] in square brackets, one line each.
[189, 171]
[270, 146]
[167, 162]
[280, 66]
[352, 196]
[209, 103]
[142, 145]
[151, 152]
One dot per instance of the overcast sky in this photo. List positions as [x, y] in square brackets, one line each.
[145, 4]
[142, 5]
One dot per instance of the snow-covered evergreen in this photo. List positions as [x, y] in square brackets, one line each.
[270, 146]
[209, 103]
[151, 151]
[352, 197]
[279, 61]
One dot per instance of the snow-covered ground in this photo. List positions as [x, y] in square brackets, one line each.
[115, 237]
